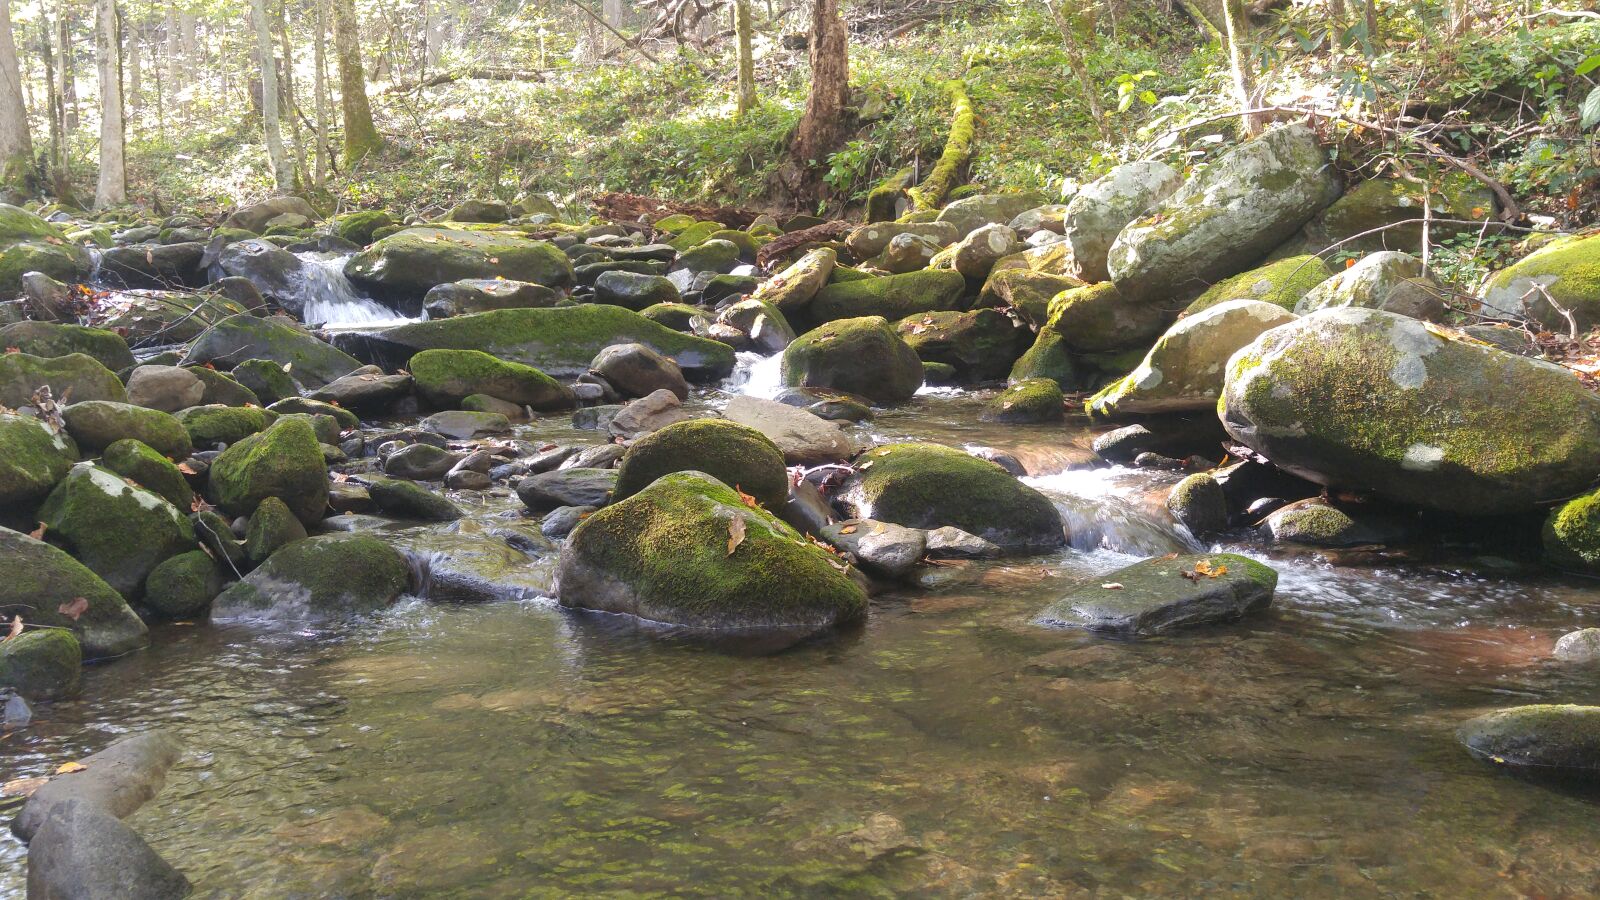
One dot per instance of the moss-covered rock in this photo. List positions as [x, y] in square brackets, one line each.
[73, 378]
[357, 227]
[120, 531]
[33, 460]
[971, 213]
[862, 356]
[1185, 369]
[1161, 595]
[446, 377]
[1387, 280]
[892, 296]
[1026, 292]
[870, 240]
[306, 406]
[97, 424]
[331, 576]
[980, 345]
[1049, 357]
[710, 255]
[1283, 282]
[1099, 317]
[212, 426]
[733, 454]
[163, 317]
[694, 235]
[1099, 212]
[931, 486]
[793, 289]
[1226, 218]
[1199, 504]
[50, 339]
[1567, 269]
[30, 244]
[559, 342]
[266, 379]
[678, 316]
[1545, 739]
[149, 469]
[42, 664]
[1027, 402]
[475, 295]
[1370, 400]
[1316, 523]
[1378, 202]
[183, 586]
[406, 264]
[1572, 534]
[409, 500]
[312, 362]
[38, 580]
[666, 555]
[224, 390]
[272, 527]
[284, 461]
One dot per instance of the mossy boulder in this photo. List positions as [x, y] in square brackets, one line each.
[405, 265]
[1100, 317]
[1387, 280]
[733, 454]
[679, 316]
[1199, 504]
[1026, 292]
[559, 341]
[305, 406]
[272, 527]
[30, 244]
[213, 426]
[1226, 218]
[409, 500]
[980, 345]
[1544, 739]
[326, 577]
[931, 486]
[120, 531]
[149, 469]
[1027, 402]
[1378, 202]
[1167, 594]
[284, 461]
[872, 239]
[1282, 282]
[1567, 269]
[38, 580]
[1185, 369]
[313, 362]
[266, 379]
[1572, 534]
[475, 295]
[357, 227]
[183, 586]
[1369, 400]
[42, 664]
[223, 389]
[891, 296]
[634, 291]
[669, 554]
[711, 255]
[793, 289]
[51, 339]
[862, 356]
[446, 377]
[971, 213]
[1049, 357]
[72, 378]
[97, 424]
[1317, 523]
[33, 460]
[1099, 212]
[163, 317]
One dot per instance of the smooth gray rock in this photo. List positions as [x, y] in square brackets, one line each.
[118, 780]
[83, 853]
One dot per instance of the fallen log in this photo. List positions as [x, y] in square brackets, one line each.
[782, 246]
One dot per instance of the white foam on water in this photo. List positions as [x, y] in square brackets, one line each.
[330, 298]
[755, 375]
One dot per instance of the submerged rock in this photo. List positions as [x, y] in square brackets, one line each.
[1543, 739]
[1360, 398]
[673, 554]
[44, 584]
[329, 576]
[1161, 595]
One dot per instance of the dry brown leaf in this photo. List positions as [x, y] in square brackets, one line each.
[38, 533]
[199, 504]
[735, 534]
[848, 529]
[23, 787]
[74, 608]
[748, 500]
[1204, 567]
[187, 469]
[16, 628]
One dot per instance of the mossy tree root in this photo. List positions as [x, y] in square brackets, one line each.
[957, 151]
[884, 200]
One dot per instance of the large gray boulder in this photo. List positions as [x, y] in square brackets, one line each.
[405, 265]
[311, 361]
[1099, 212]
[119, 779]
[1562, 273]
[1387, 280]
[84, 853]
[1226, 218]
[1544, 739]
[44, 584]
[1370, 400]
[805, 438]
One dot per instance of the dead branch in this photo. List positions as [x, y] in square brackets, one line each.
[780, 247]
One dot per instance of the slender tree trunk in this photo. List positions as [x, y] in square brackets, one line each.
[113, 184]
[59, 178]
[135, 69]
[1244, 87]
[1077, 30]
[822, 126]
[69, 78]
[744, 28]
[16, 147]
[319, 86]
[1372, 24]
[174, 77]
[360, 135]
[282, 174]
[291, 98]
[1337, 11]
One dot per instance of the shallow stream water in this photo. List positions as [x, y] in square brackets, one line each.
[946, 748]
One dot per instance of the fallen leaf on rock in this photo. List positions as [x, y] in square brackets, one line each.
[748, 500]
[23, 787]
[75, 608]
[1112, 585]
[16, 628]
[69, 767]
[1204, 567]
[187, 469]
[38, 533]
[848, 529]
[735, 534]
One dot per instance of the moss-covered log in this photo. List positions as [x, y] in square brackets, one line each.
[957, 151]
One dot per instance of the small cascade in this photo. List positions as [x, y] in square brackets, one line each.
[755, 375]
[1111, 509]
[332, 301]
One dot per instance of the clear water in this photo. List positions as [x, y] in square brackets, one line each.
[332, 301]
[947, 748]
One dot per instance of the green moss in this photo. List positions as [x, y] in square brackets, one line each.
[117, 529]
[32, 460]
[669, 546]
[209, 426]
[329, 575]
[893, 297]
[50, 339]
[1569, 271]
[1098, 318]
[62, 262]
[412, 261]
[677, 316]
[446, 377]
[1281, 283]
[857, 356]
[42, 664]
[883, 201]
[1029, 401]
[957, 152]
[306, 406]
[152, 471]
[183, 586]
[272, 527]
[1572, 533]
[694, 235]
[74, 377]
[980, 345]
[1377, 202]
[97, 424]
[733, 454]
[1049, 357]
[284, 461]
[313, 362]
[1025, 291]
[674, 224]
[17, 224]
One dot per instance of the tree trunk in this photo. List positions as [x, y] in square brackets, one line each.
[1372, 24]
[1244, 87]
[112, 187]
[1336, 11]
[1077, 30]
[69, 78]
[60, 180]
[16, 147]
[822, 126]
[282, 174]
[360, 135]
[744, 28]
[174, 74]
[291, 101]
[135, 69]
[319, 86]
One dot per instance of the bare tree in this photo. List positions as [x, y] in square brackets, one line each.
[1077, 31]
[744, 28]
[282, 174]
[1244, 83]
[360, 135]
[16, 147]
[319, 86]
[113, 184]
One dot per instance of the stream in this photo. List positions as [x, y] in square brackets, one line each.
[946, 748]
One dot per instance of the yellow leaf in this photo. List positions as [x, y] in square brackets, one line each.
[70, 767]
[735, 534]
